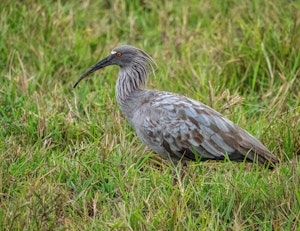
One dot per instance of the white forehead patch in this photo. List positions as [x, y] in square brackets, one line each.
[113, 52]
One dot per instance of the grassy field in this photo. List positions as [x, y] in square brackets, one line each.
[70, 161]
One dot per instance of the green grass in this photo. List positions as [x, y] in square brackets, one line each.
[70, 161]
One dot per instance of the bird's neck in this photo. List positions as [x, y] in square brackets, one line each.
[129, 81]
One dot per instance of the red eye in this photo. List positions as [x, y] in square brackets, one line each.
[118, 54]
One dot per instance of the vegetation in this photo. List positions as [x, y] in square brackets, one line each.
[70, 161]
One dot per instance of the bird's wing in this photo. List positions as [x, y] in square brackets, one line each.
[189, 129]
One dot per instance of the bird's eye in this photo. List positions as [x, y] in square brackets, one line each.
[118, 54]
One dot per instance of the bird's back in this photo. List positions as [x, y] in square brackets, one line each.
[177, 127]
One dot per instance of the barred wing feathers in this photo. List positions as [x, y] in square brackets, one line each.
[187, 129]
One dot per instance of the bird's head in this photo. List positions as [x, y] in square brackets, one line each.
[125, 57]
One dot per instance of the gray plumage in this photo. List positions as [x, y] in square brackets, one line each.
[172, 125]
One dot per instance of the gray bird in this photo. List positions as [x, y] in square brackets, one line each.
[175, 126]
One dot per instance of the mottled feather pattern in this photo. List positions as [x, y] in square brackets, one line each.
[180, 128]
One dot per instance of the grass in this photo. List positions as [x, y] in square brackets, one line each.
[69, 160]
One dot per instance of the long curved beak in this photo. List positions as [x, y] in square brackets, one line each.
[101, 64]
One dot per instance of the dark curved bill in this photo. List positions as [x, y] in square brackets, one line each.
[103, 63]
